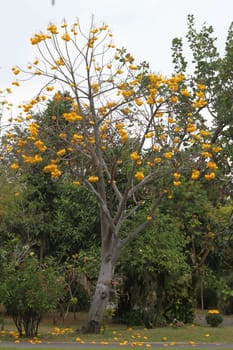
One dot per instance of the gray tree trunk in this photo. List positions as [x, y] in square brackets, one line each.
[101, 295]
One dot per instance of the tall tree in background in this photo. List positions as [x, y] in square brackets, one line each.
[124, 120]
[209, 68]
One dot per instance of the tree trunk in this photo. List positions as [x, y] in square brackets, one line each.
[101, 296]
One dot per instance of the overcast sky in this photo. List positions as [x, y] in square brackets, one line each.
[145, 27]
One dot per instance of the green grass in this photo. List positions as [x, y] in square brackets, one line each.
[121, 335]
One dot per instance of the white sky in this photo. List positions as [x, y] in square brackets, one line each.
[145, 27]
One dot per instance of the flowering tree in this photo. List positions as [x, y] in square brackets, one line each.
[123, 119]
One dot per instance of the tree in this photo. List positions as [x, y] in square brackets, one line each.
[28, 289]
[125, 119]
[215, 72]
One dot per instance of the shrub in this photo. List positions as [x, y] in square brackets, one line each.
[213, 318]
[132, 317]
[31, 291]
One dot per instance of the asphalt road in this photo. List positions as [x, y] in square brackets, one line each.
[74, 345]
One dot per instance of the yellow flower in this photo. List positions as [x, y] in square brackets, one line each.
[168, 155]
[195, 174]
[200, 94]
[171, 120]
[56, 173]
[60, 61]
[176, 183]
[205, 133]
[191, 127]
[149, 134]
[206, 154]
[76, 183]
[72, 116]
[214, 311]
[216, 149]
[127, 93]
[49, 168]
[157, 160]
[138, 101]
[173, 99]
[14, 166]
[15, 83]
[15, 70]
[185, 92]
[201, 86]
[93, 179]
[150, 100]
[95, 87]
[34, 129]
[206, 146]
[61, 152]
[212, 165]
[78, 137]
[131, 66]
[134, 156]
[32, 160]
[177, 176]
[210, 176]
[40, 145]
[139, 176]
[119, 71]
[50, 88]
[66, 37]
[124, 135]
[52, 29]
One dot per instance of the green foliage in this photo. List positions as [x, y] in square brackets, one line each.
[215, 72]
[134, 317]
[214, 320]
[31, 290]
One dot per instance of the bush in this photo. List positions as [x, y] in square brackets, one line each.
[133, 317]
[31, 291]
[213, 318]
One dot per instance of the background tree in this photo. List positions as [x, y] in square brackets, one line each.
[209, 68]
[155, 123]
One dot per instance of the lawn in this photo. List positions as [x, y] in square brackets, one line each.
[118, 335]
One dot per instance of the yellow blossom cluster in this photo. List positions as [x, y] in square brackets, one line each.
[40, 145]
[52, 168]
[61, 152]
[93, 179]
[34, 128]
[210, 176]
[14, 166]
[134, 156]
[195, 174]
[38, 38]
[32, 159]
[139, 175]
[123, 133]
[213, 312]
[176, 181]
[72, 116]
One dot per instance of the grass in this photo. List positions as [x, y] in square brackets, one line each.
[115, 335]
